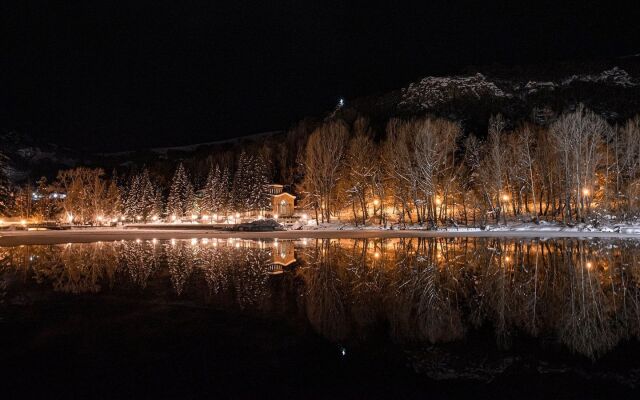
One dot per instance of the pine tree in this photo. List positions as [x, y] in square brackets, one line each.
[241, 184]
[132, 207]
[5, 192]
[181, 200]
[224, 192]
[259, 178]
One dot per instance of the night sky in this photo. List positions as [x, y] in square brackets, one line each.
[129, 74]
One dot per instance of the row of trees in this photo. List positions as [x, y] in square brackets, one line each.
[87, 195]
[426, 171]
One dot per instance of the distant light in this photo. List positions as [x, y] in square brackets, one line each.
[205, 241]
[194, 216]
[305, 216]
[376, 202]
[376, 254]
[155, 218]
[237, 215]
[275, 216]
[173, 217]
[505, 197]
[585, 191]
[138, 217]
[138, 240]
[23, 222]
[343, 351]
[205, 217]
[589, 265]
[507, 258]
[194, 241]
[438, 201]
[341, 102]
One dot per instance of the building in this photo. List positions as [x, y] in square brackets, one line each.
[282, 203]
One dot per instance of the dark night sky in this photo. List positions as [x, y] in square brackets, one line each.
[126, 74]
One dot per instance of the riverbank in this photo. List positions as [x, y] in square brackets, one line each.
[86, 235]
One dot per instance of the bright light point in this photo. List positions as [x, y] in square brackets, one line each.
[99, 217]
[237, 215]
[237, 244]
[173, 242]
[343, 351]
[275, 216]
[376, 254]
[173, 217]
[205, 217]
[194, 241]
[507, 258]
[376, 202]
[438, 201]
[585, 191]
[138, 217]
[154, 240]
[194, 216]
[1, 221]
[205, 241]
[589, 265]
[305, 216]
[155, 218]
[505, 198]
[138, 240]
[23, 222]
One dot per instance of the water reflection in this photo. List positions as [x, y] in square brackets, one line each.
[584, 294]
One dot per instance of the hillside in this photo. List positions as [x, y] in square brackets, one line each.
[531, 93]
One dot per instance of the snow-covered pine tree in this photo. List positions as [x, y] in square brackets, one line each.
[206, 203]
[260, 178]
[5, 191]
[242, 184]
[132, 201]
[147, 196]
[181, 199]
[224, 192]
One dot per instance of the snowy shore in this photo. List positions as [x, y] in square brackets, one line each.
[14, 238]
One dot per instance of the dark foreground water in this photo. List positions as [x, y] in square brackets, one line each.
[399, 318]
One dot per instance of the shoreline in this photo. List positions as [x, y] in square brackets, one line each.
[16, 238]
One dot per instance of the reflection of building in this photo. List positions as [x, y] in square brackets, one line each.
[283, 255]
[282, 203]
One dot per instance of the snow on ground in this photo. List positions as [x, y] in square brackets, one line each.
[333, 230]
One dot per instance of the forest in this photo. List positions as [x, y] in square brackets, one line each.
[420, 170]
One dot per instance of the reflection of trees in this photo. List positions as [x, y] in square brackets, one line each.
[325, 297]
[181, 257]
[140, 259]
[585, 293]
[75, 268]
[422, 297]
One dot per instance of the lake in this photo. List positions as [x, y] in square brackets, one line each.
[318, 318]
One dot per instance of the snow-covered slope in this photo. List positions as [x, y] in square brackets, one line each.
[431, 92]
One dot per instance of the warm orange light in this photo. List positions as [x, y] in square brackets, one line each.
[585, 191]
[505, 197]
[589, 265]
[438, 201]
[376, 254]
[376, 202]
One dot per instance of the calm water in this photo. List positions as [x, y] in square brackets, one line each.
[322, 318]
